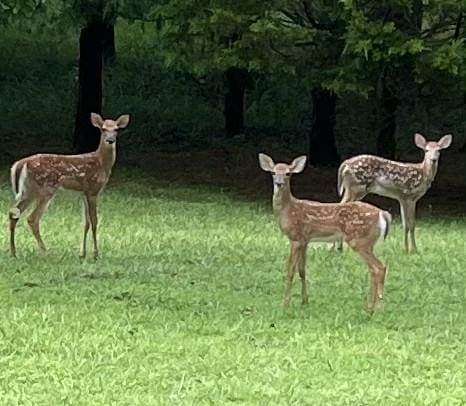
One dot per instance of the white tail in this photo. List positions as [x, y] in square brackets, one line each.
[405, 182]
[38, 177]
[359, 224]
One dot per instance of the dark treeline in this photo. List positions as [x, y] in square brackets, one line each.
[361, 74]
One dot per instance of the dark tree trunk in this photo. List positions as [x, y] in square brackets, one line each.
[87, 137]
[322, 145]
[388, 102]
[391, 80]
[463, 148]
[236, 81]
[109, 49]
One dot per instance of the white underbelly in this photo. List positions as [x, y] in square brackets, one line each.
[382, 190]
[326, 238]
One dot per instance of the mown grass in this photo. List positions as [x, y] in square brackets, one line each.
[184, 307]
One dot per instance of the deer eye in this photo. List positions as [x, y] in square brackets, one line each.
[273, 173]
[288, 174]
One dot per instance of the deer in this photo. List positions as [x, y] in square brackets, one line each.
[404, 182]
[361, 225]
[37, 178]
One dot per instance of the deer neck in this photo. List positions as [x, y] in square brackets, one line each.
[282, 197]
[106, 154]
[429, 169]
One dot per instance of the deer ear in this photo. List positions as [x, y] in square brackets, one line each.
[123, 121]
[97, 120]
[298, 164]
[266, 163]
[445, 141]
[420, 141]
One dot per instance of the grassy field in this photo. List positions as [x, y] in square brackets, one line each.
[184, 307]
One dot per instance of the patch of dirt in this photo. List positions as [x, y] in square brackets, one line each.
[236, 169]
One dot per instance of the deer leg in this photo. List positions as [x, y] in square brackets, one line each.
[87, 223]
[350, 195]
[411, 224]
[378, 271]
[34, 220]
[92, 209]
[404, 221]
[302, 274]
[378, 280]
[14, 216]
[293, 265]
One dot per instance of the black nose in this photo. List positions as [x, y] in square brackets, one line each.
[110, 142]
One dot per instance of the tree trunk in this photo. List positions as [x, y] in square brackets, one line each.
[387, 101]
[236, 80]
[391, 80]
[87, 137]
[463, 148]
[109, 49]
[322, 145]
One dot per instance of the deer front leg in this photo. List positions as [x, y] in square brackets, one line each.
[34, 220]
[92, 209]
[404, 221]
[411, 224]
[293, 265]
[86, 226]
[302, 273]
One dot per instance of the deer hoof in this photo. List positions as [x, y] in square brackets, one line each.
[15, 213]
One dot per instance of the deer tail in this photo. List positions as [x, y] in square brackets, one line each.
[18, 178]
[340, 186]
[385, 219]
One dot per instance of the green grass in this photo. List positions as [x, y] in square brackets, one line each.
[184, 307]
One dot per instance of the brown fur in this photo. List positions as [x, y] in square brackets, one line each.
[405, 182]
[304, 221]
[46, 173]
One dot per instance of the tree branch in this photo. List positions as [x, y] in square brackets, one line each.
[310, 18]
[282, 54]
[459, 22]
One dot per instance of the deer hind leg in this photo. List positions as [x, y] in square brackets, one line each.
[92, 210]
[35, 217]
[14, 215]
[351, 194]
[378, 271]
[87, 222]
[294, 262]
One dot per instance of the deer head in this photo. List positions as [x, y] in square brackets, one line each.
[281, 172]
[109, 128]
[432, 148]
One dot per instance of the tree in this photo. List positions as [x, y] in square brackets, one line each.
[91, 39]
[96, 19]
[399, 43]
[202, 39]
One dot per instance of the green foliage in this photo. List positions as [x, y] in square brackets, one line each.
[184, 307]
[11, 8]
[38, 87]
[425, 32]
[339, 45]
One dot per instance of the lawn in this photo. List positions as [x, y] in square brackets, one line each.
[184, 307]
